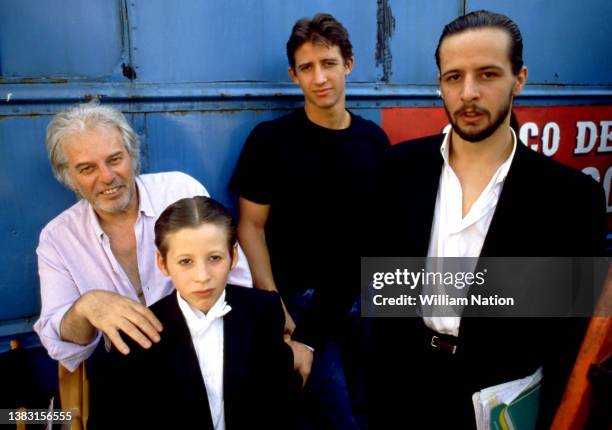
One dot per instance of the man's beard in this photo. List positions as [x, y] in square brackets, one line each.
[118, 206]
[111, 207]
[481, 135]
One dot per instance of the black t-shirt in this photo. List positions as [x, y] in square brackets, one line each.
[318, 182]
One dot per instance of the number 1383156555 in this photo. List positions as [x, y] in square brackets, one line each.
[35, 416]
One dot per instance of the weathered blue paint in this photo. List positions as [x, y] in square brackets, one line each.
[207, 71]
[48, 99]
[61, 39]
[417, 29]
[30, 198]
[385, 26]
[211, 41]
[566, 42]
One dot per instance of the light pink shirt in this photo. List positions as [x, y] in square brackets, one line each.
[74, 257]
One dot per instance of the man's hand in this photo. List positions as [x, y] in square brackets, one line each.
[289, 324]
[112, 313]
[302, 359]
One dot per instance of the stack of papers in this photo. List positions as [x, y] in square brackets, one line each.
[509, 406]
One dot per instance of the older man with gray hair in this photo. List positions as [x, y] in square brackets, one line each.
[96, 260]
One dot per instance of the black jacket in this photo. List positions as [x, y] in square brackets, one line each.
[545, 209]
[163, 386]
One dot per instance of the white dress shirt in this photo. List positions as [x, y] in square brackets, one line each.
[207, 337]
[453, 235]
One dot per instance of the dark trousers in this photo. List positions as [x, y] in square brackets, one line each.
[325, 400]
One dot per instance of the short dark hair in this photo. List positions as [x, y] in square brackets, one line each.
[323, 29]
[192, 212]
[487, 19]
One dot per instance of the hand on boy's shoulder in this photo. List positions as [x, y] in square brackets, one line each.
[159, 309]
[116, 315]
[135, 352]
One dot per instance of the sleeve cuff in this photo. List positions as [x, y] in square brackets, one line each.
[69, 354]
[306, 336]
[309, 347]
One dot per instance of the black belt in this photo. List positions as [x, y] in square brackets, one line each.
[441, 342]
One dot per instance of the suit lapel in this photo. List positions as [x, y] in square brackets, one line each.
[502, 233]
[237, 339]
[503, 238]
[415, 178]
[181, 363]
[426, 192]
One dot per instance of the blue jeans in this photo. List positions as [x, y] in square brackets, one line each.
[325, 401]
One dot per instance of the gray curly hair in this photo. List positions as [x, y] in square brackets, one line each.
[82, 117]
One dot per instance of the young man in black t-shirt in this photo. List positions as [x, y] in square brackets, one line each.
[304, 181]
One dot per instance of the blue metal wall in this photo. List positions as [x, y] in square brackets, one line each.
[196, 75]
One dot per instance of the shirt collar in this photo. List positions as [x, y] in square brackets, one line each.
[504, 168]
[198, 321]
[95, 222]
[502, 172]
[145, 206]
[444, 149]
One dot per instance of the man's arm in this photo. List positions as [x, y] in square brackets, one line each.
[58, 292]
[70, 318]
[252, 237]
[110, 313]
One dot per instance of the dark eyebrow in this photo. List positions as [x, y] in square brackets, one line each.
[491, 67]
[480, 69]
[449, 72]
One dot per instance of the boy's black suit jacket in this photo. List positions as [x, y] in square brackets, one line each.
[163, 387]
[545, 209]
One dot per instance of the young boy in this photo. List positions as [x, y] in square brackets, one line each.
[222, 362]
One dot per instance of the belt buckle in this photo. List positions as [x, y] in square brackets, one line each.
[436, 342]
